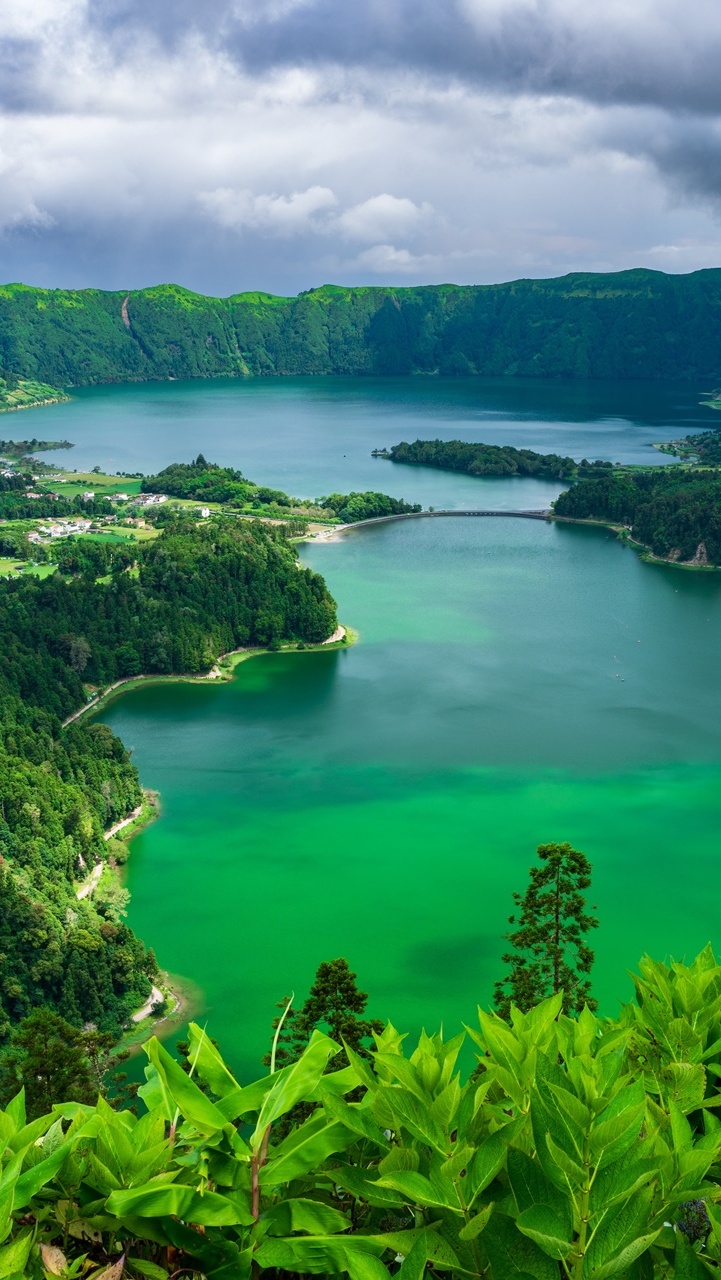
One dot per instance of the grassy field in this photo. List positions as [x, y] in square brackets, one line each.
[12, 567]
[28, 393]
[71, 483]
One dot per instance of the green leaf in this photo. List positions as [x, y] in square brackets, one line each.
[304, 1149]
[363, 1266]
[513, 1255]
[565, 1166]
[486, 1164]
[476, 1225]
[540, 1223]
[302, 1076]
[315, 1254]
[15, 1110]
[183, 1092]
[149, 1269]
[625, 1258]
[30, 1182]
[413, 1265]
[687, 1263]
[209, 1065]
[311, 1216]
[14, 1256]
[207, 1208]
[419, 1190]
[356, 1118]
[530, 1187]
[363, 1187]
[619, 1229]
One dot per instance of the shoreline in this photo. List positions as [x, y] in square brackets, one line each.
[186, 997]
[36, 404]
[220, 673]
[623, 534]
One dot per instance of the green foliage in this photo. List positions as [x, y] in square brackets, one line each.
[623, 325]
[352, 507]
[677, 513]
[201, 480]
[334, 1006]
[556, 1161]
[489, 459]
[549, 955]
[21, 448]
[199, 591]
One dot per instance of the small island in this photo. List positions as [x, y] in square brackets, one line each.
[474, 458]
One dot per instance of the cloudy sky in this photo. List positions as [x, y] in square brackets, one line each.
[280, 144]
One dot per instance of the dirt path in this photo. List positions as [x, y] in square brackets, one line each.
[125, 822]
[124, 311]
[91, 883]
[155, 997]
[338, 634]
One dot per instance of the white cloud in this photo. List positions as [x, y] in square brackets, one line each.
[383, 216]
[284, 215]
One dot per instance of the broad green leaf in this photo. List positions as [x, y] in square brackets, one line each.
[204, 1208]
[14, 1256]
[364, 1266]
[30, 1182]
[625, 1258]
[363, 1187]
[315, 1254]
[311, 1216]
[513, 1255]
[304, 1149]
[183, 1092]
[419, 1190]
[405, 1111]
[355, 1117]
[476, 1225]
[149, 1269]
[208, 1063]
[413, 1265]
[619, 1229]
[288, 1089]
[486, 1164]
[540, 1223]
[15, 1111]
[531, 1187]
[566, 1167]
[687, 1263]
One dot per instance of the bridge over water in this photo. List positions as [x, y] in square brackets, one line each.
[418, 515]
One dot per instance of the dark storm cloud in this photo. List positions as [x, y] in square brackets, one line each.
[279, 143]
[664, 53]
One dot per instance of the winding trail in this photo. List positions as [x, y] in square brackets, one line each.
[125, 822]
[155, 997]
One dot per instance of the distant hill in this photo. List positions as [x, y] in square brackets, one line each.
[631, 324]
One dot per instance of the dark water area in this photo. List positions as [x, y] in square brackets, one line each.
[313, 436]
[515, 683]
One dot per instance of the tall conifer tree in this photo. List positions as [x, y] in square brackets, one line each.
[548, 948]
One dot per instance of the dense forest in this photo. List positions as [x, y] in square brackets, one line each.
[677, 513]
[195, 592]
[476, 459]
[629, 324]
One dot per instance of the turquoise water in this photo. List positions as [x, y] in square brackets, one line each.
[515, 683]
[312, 436]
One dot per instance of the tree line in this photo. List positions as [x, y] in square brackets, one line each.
[194, 593]
[675, 512]
[477, 459]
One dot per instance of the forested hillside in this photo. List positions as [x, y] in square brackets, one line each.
[630, 324]
[676, 513]
[198, 590]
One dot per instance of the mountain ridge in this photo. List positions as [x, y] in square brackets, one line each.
[635, 324]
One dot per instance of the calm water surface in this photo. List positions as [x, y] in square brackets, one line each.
[312, 436]
[515, 683]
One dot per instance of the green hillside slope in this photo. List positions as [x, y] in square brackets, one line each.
[632, 324]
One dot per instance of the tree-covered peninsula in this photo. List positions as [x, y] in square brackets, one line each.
[195, 592]
[477, 459]
[676, 513]
[623, 325]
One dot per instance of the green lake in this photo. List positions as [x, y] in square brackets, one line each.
[515, 682]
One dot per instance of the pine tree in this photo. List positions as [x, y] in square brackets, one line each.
[334, 1005]
[47, 1056]
[549, 953]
